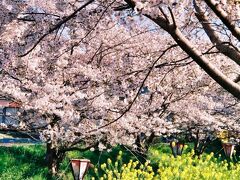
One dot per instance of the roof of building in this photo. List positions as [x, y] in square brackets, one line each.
[8, 102]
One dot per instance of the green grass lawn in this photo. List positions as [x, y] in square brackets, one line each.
[22, 162]
[27, 162]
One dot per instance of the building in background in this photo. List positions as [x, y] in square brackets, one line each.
[8, 111]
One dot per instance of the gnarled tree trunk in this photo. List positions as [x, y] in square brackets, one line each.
[53, 158]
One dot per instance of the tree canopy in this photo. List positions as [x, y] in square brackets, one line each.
[102, 72]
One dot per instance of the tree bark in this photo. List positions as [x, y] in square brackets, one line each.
[216, 8]
[195, 54]
[53, 158]
[223, 47]
[198, 57]
[206, 65]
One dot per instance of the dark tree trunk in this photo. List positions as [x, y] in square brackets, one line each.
[143, 143]
[53, 158]
[197, 143]
[150, 139]
[200, 146]
[140, 148]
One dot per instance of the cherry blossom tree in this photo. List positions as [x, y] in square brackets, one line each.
[200, 119]
[70, 94]
[177, 18]
[99, 73]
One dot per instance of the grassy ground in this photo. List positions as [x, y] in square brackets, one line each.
[27, 162]
[22, 162]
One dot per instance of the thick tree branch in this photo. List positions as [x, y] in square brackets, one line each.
[224, 17]
[196, 55]
[204, 63]
[224, 48]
